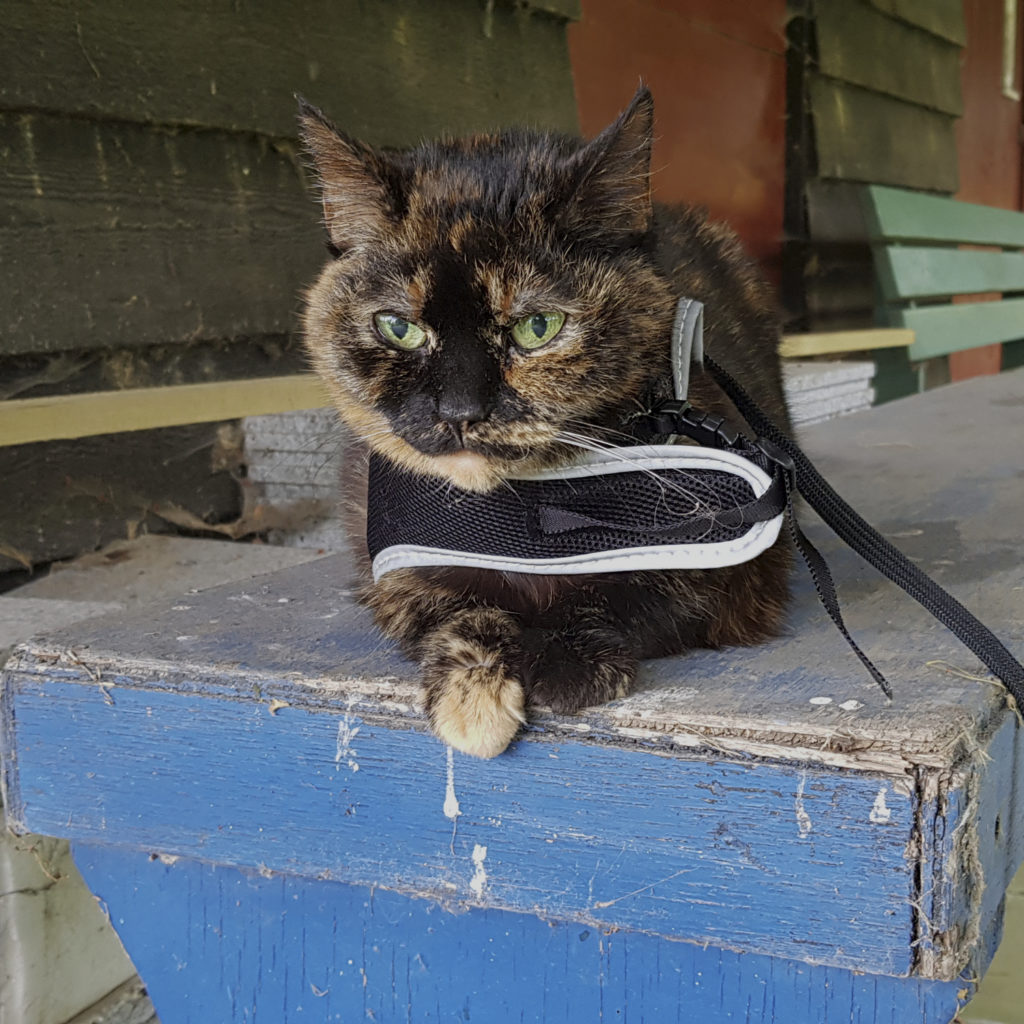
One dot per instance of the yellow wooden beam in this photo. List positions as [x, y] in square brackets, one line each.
[834, 342]
[58, 417]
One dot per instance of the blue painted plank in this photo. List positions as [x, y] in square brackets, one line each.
[778, 859]
[241, 947]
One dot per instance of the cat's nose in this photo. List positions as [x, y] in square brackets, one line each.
[462, 410]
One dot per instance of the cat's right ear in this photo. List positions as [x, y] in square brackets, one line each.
[356, 182]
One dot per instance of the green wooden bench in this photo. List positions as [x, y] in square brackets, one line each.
[917, 243]
[927, 279]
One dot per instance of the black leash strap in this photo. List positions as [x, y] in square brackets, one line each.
[866, 541]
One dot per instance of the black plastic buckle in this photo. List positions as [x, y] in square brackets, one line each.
[707, 429]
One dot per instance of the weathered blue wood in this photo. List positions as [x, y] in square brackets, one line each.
[263, 949]
[783, 859]
[768, 801]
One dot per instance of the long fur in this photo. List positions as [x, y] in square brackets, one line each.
[464, 237]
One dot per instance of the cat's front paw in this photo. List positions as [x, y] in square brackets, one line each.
[565, 677]
[473, 702]
[476, 710]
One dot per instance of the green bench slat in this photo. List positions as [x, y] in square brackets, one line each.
[942, 329]
[895, 213]
[913, 272]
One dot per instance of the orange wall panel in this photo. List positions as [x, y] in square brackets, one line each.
[717, 71]
[988, 142]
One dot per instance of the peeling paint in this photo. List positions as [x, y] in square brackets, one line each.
[880, 813]
[451, 801]
[345, 751]
[479, 880]
[803, 819]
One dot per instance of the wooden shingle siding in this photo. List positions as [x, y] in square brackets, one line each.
[876, 86]
[856, 43]
[389, 73]
[156, 225]
[147, 236]
[152, 182]
[944, 18]
[867, 136]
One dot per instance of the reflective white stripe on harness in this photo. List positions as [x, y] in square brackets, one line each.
[640, 459]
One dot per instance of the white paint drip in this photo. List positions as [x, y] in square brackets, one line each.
[479, 880]
[451, 801]
[345, 751]
[880, 813]
[803, 819]
[851, 705]
[821, 700]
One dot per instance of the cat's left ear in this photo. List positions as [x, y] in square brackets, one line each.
[612, 187]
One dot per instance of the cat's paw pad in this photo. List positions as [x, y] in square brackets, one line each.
[476, 709]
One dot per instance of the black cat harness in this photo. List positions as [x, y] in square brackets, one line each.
[715, 503]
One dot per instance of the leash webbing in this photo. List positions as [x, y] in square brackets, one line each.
[872, 547]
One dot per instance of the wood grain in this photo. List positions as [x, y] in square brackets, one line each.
[941, 329]
[61, 499]
[898, 214]
[235, 946]
[944, 18]
[832, 342]
[914, 272]
[122, 235]
[390, 73]
[857, 43]
[865, 136]
[54, 417]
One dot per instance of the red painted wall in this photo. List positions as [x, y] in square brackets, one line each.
[988, 141]
[717, 72]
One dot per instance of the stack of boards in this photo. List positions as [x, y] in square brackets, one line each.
[822, 391]
[294, 459]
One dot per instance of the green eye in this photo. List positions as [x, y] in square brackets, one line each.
[400, 332]
[537, 329]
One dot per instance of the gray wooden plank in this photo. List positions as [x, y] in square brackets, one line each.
[895, 213]
[22, 617]
[147, 236]
[391, 73]
[865, 136]
[913, 271]
[856, 43]
[944, 328]
[944, 18]
[301, 638]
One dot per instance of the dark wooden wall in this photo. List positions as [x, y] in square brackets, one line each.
[874, 96]
[152, 181]
[157, 226]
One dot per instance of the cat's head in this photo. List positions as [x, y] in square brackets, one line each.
[488, 297]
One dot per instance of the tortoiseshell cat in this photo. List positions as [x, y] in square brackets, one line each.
[492, 301]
